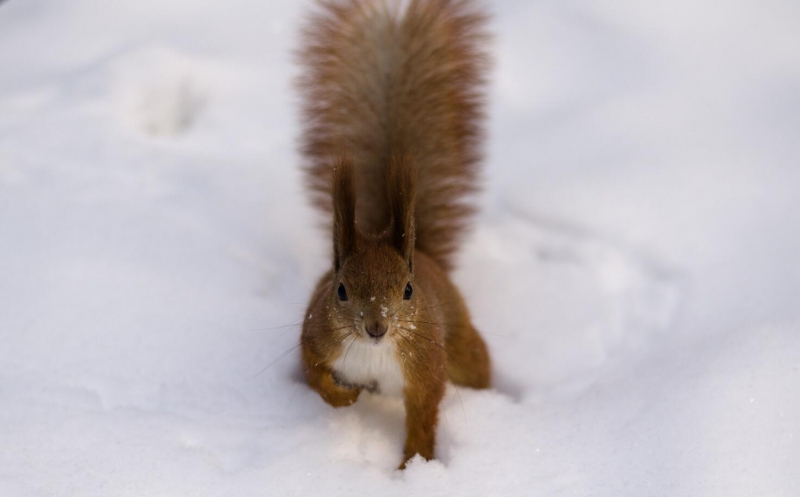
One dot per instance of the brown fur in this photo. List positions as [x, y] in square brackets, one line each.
[392, 102]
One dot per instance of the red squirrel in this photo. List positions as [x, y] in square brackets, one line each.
[393, 103]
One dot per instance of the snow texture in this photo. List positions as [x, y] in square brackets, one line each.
[635, 269]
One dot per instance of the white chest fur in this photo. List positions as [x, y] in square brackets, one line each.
[367, 364]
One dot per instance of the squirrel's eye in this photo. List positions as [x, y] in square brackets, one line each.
[409, 291]
[341, 292]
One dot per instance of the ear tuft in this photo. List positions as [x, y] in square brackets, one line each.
[345, 235]
[402, 195]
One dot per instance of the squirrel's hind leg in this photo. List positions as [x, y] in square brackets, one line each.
[468, 361]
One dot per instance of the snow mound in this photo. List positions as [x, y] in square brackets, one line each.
[159, 91]
[574, 299]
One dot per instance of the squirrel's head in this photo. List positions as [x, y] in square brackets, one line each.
[373, 275]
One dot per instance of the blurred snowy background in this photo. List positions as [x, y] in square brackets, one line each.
[635, 269]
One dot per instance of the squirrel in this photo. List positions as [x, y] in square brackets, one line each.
[392, 99]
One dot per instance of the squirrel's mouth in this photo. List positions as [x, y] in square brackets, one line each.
[373, 339]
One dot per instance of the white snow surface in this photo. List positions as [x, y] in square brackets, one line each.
[635, 268]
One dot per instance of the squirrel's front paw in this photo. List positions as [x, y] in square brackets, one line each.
[341, 396]
[338, 395]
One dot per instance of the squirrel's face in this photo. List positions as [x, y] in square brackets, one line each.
[372, 291]
[373, 275]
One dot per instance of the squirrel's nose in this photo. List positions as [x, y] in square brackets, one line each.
[376, 329]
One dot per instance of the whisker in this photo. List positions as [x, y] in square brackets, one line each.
[429, 340]
[344, 363]
[399, 306]
[303, 405]
[441, 304]
[458, 392]
[434, 322]
[492, 334]
[278, 327]
[344, 338]
[343, 327]
[447, 325]
[279, 358]
[296, 388]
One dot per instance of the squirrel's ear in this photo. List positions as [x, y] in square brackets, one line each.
[402, 200]
[345, 235]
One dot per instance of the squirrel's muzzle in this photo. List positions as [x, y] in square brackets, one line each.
[376, 329]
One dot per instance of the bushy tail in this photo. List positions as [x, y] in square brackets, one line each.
[387, 78]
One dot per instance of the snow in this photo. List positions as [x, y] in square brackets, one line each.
[635, 268]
